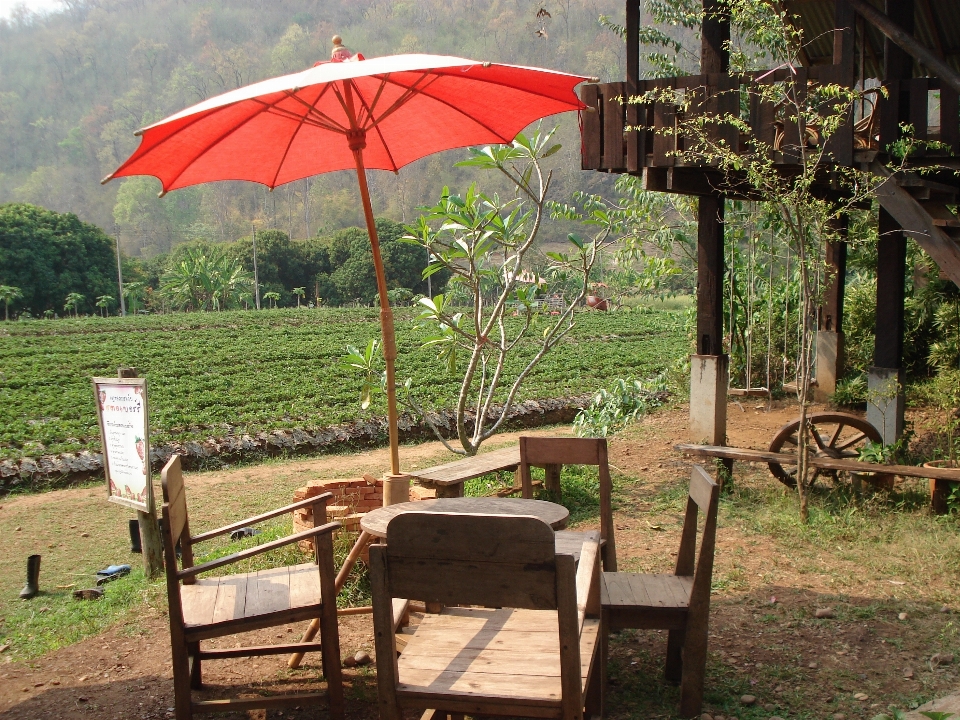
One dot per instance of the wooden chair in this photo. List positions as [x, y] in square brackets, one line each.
[201, 609]
[530, 650]
[679, 603]
[552, 454]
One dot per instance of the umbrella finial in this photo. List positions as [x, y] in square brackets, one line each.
[339, 52]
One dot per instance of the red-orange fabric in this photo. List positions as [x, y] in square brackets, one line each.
[272, 132]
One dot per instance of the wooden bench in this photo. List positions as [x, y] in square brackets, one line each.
[940, 478]
[448, 479]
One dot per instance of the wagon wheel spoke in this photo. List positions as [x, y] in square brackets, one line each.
[836, 434]
[792, 440]
[817, 437]
[852, 441]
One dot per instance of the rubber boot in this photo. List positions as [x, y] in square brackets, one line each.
[33, 578]
[135, 543]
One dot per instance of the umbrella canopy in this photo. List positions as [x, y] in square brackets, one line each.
[380, 113]
[291, 127]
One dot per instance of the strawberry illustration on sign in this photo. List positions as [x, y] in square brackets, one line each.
[141, 451]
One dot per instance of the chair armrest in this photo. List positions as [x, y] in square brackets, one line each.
[588, 579]
[260, 518]
[250, 552]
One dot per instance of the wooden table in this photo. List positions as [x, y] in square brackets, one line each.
[375, 522]
[448, 479]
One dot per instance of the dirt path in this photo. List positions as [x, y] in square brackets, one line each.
[764, 640]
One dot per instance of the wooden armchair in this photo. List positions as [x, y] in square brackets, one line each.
[552, 454]
[530, 650]
[679, 603]
[201, 609]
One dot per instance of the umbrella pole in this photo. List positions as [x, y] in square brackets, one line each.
[386, 314]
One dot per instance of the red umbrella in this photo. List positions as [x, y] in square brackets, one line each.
[380, 113]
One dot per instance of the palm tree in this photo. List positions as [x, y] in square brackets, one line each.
[72, 301]
[103, 302]
[299, 292]
[272, 297]
[9, 293]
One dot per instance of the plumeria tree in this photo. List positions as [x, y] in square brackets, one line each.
[496, 307]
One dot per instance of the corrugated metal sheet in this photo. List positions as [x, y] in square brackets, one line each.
[937, 25]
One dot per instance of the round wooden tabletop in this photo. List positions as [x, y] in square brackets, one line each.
[375, 522]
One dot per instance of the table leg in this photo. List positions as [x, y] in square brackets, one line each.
[311, 631]
[450, 491]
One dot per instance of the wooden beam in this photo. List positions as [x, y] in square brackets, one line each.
[907, 42]
[891, 266]
[823, 463]
[911, 216]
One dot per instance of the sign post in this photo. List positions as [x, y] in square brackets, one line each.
[125, 433]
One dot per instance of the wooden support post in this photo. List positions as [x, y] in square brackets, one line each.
[634, 161]
[830, 328]
[885, 406]
[150, 540]
[708, 380]
[710, 275]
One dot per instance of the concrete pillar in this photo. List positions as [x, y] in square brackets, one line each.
[709, 377]
[885, 402]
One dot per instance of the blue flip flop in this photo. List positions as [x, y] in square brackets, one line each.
[117, 570]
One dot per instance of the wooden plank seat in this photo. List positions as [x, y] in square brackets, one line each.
[264, 598]
[473, 658]
[645, 601]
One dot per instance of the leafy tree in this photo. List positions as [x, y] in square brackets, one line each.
[72, 301]
[273, 297]
[8, 294]
[50, 255]
[104, 302]
[299, 292]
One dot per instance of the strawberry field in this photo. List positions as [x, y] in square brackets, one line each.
[272, 369]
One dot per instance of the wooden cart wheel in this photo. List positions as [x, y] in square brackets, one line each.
[833, 434]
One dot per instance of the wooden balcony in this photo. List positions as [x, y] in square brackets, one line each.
[633, 137]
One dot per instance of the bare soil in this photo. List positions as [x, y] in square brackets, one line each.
[765, 640]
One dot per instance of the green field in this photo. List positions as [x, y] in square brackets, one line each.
[271, 369]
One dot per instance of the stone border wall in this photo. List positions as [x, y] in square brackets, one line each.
[68, 468]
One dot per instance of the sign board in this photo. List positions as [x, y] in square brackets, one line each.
[124, 432]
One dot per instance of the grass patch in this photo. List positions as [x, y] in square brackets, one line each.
[54, 618]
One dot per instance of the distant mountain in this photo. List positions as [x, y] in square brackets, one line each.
[75, 85]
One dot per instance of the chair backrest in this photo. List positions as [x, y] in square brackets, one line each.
[462, 559]
[176, 524]
[559, 451]
[704, 495]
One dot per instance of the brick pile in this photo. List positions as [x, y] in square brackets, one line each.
[352, 499]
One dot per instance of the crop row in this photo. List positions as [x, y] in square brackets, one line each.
[268, 370]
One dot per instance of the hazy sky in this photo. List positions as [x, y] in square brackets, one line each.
[36, 5]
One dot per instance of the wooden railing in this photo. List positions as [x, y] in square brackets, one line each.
[653, 139]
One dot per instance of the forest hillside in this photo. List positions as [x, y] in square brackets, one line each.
[76, 84]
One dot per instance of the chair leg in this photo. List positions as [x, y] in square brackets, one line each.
[183, 709]
[673, 669]
[694, 672]
[196, 676]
